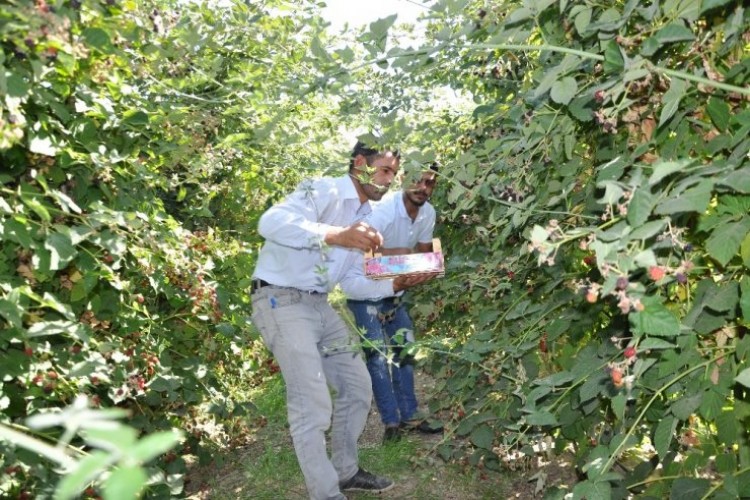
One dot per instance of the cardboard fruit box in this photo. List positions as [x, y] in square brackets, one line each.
[380, 267]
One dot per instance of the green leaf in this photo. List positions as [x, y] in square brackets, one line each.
[674, 32]
[154, 445]
[738, 181]
[654, 343]
[12, 312]
[135, 118]
[726, 427]
[120, 439]
[743, 377]
[724, 297]
[583, 19]
[713, 401]
[37, 207]
[745, 298]
[73, 328]
[688, 488]
[592, 489]
[17, 85]
[662, 169]
[379, 28]
[88, 469]
[581, 109]
[648, 229]
[482, 437]
[712, 4]
[655, 319]
[595, 460]
[640, 206]
[718, 111]
[614, 62]
[556, 379]
[663, 435]
[592, 387]
[619, 403]
[125, 482]
[65, 202]
[542, 417]
[695, 199]
[61, 250]
[97, 38]
[42, 144]
[563, 91]
[686, 405]
[725, 241]
[671, 100]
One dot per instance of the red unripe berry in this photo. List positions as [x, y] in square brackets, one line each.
[28, 351]
[616, 377]
[543, 343]
[629, 352]
[656, 273]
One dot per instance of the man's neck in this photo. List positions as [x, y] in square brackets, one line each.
[412, 210]
[358, 186]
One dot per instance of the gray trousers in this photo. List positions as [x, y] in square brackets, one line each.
[314, 349]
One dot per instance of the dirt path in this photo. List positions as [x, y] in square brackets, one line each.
[423, 475]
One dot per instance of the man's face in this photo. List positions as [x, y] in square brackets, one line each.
[376, 178]
[421, 191]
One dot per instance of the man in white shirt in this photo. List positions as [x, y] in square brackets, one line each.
[407, 221]
[312, 238]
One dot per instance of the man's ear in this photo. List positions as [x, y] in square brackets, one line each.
[359, 162]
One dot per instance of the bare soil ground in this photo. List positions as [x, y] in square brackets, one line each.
[425, 476]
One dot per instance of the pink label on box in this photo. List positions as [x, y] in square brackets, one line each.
[386, 266]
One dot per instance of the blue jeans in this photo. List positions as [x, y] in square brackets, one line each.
[387, 328]
[314, 349]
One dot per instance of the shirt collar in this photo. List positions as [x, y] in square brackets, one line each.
[346, 188]
[402, 208]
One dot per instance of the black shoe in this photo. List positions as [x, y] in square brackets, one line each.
[391, 434]
[364, 481]
[423, 426]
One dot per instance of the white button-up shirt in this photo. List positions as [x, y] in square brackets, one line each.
[399, 231]
[295, 254]
[389, 216]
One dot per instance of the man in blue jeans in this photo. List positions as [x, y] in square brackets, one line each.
[312, 238]
[406, 220]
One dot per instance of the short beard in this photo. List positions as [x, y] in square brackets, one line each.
[416, 202]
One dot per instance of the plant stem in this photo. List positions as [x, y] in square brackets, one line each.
[39, 447]
[566, 50]
[718, 485]
[675, 379]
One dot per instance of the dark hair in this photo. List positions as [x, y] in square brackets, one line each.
[369, 153]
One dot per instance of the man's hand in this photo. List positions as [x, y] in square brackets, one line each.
[359, 235]
[410, 280]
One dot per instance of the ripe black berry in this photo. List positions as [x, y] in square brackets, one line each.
[622, 283]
